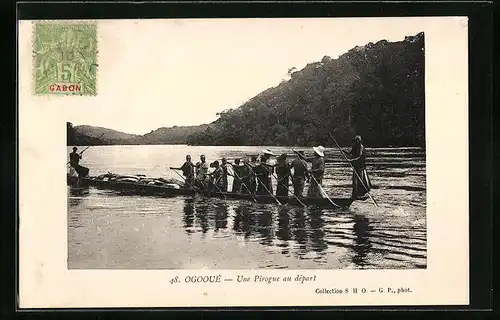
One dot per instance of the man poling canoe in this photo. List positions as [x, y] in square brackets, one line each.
[74, 161]
[264, 171]
[316, 172]
[187, 170]
[201, 173]
[284, 173]
[262, 184]
[239, 180]
[249, 178]
[315, 187]
[361, 181]
[237, 173]
[300, 174]
[225, 168]
[190, 186]
[217, 178]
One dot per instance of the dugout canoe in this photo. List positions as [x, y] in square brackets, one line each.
[165, 191]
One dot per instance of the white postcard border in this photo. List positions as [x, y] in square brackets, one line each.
[45, 281]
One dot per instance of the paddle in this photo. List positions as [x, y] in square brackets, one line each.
[357, 175]
[250, 167]
[320, 187]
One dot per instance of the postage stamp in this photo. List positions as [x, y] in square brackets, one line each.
[65, 58]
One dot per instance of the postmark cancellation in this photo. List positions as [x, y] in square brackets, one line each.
[65, 58]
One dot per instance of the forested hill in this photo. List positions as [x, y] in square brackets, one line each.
[90, 135]
[376, 90]
[169, 135]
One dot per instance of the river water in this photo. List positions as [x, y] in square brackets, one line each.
[107, 230]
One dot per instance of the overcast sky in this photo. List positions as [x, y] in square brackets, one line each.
[160, 73]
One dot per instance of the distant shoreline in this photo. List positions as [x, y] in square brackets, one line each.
[255, 146]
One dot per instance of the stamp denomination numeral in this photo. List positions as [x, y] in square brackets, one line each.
[65, 72]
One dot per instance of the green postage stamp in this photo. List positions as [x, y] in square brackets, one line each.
[65, 58]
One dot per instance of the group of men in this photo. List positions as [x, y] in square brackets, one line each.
[254, 176]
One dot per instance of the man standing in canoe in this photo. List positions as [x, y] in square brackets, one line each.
[239, 173]
[361, 183]
[263, 172]
[74, 160]
[248, 177]
[317, 170]
[283, 173]
[224, 168]
[216, 178]
[188, 171]
[201, 172]
[300, 174]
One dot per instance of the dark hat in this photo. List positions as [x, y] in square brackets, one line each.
[75, 148]
[282, 156]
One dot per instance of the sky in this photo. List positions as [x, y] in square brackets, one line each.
[161, 73]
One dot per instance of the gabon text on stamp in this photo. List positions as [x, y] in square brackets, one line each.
[65, 58]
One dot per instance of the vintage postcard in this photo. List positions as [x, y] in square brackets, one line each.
[243, 162]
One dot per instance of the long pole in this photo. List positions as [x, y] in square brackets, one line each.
[320, 187]
[355, 172]
[323, 191]
[90, 146]
[288, 190]
[243, 183]
[272, 195]
[185, 180]
[215, 184]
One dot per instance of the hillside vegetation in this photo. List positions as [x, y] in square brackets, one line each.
[170, 135]
[376, 90]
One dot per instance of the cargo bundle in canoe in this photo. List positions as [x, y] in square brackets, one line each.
[170, 188]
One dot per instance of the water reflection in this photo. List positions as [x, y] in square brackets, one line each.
[265, 226]
[298, 229]
[316, 224]
[308, 233]
[362, 244]
[188, 216]
[76, 195]
[284, 227]
[244, 221]
[221, 213]
[283, 233]
[201, 215]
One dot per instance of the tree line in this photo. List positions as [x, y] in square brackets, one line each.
[376, 90]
